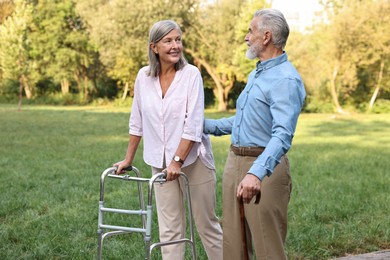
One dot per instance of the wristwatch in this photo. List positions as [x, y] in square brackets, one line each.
[176, 158]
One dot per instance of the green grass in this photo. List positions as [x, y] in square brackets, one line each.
[51, 159]
[340, 201]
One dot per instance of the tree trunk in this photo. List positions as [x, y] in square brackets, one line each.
[86, 89]
[125, 91]
[20, 93]
[78, 82]
[64, 86]
[226, 92]
[377, 87]
[333, 90]
[219, 90]
[219, 94]
[27, 89]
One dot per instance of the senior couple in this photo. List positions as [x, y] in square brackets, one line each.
[168, 112]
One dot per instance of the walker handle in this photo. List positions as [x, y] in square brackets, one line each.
[127, 169]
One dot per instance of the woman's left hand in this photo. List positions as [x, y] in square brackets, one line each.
[173, 171]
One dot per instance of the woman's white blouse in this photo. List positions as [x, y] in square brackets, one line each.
[162, 122]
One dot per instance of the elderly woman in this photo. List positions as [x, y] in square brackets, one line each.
[168, 112]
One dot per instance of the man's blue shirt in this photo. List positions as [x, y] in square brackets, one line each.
[267, 111]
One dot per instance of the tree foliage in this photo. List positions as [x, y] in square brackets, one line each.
[95, 48]
[60, 46]
[6, 9]
[14, 46]
[120, 29]
[216, 40]
[348, 49]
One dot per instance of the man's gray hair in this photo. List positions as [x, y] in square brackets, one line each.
[158, 31]
[273, 20]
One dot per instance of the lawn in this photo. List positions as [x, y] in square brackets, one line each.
[51, 159]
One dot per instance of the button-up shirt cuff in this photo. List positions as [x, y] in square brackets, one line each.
[259, 172]
[218, 127]
[209, 126]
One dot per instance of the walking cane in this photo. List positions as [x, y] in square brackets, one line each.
[242, 220]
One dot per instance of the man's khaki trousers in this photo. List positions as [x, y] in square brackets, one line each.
[266, 222]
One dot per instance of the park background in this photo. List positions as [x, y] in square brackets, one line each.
[66, 82]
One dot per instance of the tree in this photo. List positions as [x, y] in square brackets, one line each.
[14, 59]
[215, 40]
[342, 33]
[120, 29]
[303, 51]
[6, 9]
[61, 47]
[378, 52]
[343, 48]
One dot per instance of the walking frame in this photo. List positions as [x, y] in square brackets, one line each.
[106, 230]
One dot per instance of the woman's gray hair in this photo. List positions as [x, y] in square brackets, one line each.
[273, 20]
[158, 31]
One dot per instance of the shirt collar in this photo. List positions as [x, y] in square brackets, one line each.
[265, 65]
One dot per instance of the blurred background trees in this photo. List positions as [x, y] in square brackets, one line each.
[78, 52]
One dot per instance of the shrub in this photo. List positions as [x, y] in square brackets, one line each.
[381, 106]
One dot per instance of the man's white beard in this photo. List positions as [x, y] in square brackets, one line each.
[250, 54]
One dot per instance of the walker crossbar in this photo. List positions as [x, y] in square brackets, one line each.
[144, 212]
[123, 211]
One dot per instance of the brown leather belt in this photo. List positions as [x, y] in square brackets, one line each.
[246, 150]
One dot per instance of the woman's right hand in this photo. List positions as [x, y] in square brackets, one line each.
[120, 166]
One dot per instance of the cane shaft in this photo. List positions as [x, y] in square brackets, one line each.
[243, 229]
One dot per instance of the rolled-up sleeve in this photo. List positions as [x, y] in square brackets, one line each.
[193, 122]
[135, 122]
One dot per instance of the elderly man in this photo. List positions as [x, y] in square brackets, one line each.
[261, 131]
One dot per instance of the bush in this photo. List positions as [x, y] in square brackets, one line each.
[313, 105]
[9, 90]
[381, 106]
[119, 102]
[57, 99]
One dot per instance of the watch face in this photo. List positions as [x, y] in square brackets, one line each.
[176, 158]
